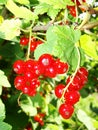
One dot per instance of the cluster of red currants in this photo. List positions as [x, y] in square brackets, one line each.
[39, 118]
[34, 42]
[72, 9]
[71, 95]
[29, 72]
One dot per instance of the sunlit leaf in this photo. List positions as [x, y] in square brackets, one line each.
[9, 29]
[2, 111]
[85, 119]
[3, 80]
[20, 12]
[89, 46]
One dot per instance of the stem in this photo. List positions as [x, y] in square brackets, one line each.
[28, 52]
[30, 35]
[18, 100]
[73, 75]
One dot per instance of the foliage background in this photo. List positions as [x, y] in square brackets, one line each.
[51, 22]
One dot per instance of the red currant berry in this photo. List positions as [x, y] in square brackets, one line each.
[45, 60]
[75, 84]
[33, 46]
[39, 42]
[19, 82]
[83, 71]
[29, 64]
[24, 41]
[50, 71]
[66, 110]
[37, 68]
[32, 92]
[34, 83]
[72, 97]
[19, 66]
[29, 75]
[59, 90]
[61, 67]
[25, 89]
[72, 10]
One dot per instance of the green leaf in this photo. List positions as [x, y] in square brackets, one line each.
[61, 44]
[85, 119]
[2, 2]
[38, 101]
[52, 127]
[46, 8]
[24, 2]
[5, 126]
[20, 12]
[11, 51]
[3, 80]
[89, 46]
[57, 4]
[9, 29]
[2, 111]
[27, 106]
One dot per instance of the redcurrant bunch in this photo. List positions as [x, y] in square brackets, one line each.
[39, 118]
[29, 72]
[71, 96]
[72, 9]
[34, 42]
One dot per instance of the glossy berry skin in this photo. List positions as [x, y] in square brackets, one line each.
[59, 90]
[34, 83]
[19, 82]
[45, 60]
[33, 46]
[66, 110]
[50, 71]
[75, 84]
[29, 75]
[19, 66]
[29, 64]
[83, 71]
[24, 41]
[72, 97]
[37, 68]
[61, 67]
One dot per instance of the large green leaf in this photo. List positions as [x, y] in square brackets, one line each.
[2, 111]
[57, 4]
[20, 12]
[89, 46]
[61, 43]
[5, 126]
[9, 29]
[3, 80]
[85, 119]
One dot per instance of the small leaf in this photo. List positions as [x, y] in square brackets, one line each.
[27, 106]
[20, 12]
[85, 119]
[2, 111]
[5, 126]
[89, 46]
[9, 29]
[3, 80]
